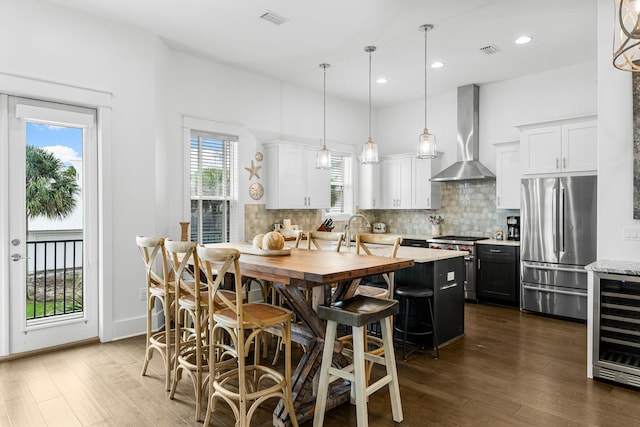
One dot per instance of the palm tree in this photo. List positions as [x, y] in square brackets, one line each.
[51, 187]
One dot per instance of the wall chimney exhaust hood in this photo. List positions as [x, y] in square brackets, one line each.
[468, 166]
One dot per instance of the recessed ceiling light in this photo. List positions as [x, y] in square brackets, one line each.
[437, 64]
[381, 80]
[523, 40]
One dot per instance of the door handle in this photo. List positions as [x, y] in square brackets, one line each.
[17, 257]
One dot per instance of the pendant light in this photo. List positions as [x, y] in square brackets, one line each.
[323, 158]
[427, 141]
[626, 36]
[369, 148]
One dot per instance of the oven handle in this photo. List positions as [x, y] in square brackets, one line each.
[553, 291]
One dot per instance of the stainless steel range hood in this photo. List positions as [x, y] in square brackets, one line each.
[468, 166]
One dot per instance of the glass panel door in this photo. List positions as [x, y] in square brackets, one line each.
[52, 210]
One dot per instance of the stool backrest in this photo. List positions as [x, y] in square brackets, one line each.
[316, 237]
[391, 243]
[150, 248]
[185, 266]
[220, 261]
[216, 263]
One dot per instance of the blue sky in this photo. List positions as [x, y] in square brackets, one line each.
[63, 142]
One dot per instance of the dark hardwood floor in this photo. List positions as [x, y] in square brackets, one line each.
[510, 368]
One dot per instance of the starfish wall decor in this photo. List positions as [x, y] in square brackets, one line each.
[253, 170]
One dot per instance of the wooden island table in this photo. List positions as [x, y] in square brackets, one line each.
[316, 270]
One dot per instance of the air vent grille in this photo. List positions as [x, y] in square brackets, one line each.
[490, 49]
[273, 17]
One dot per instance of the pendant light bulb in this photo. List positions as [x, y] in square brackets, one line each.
[427, 141]
[369, 148]
[323, 158]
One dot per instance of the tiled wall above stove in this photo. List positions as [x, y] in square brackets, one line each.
[468, 208]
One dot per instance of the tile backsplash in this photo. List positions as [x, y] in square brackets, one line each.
[468, 208]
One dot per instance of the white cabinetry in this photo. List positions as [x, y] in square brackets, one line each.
[396, 182]
[426, 194]
[405, 184]
[508, 175]
[293, 182]
[369, 186]
[563, 146]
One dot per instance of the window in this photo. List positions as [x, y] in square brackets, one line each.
[212, 178]
[341, 184]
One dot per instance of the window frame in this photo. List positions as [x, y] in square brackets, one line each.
[196, 124]
[349, 186]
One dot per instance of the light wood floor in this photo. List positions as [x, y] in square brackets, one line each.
[511, 368]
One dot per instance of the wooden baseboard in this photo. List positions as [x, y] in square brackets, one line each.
[49, 349]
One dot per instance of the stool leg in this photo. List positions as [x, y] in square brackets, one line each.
[359, 376]
[390, 362]
[323, 385]
[407, 301]
[433, 327]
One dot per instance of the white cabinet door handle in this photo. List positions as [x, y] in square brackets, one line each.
[564, 162]
[557, 163]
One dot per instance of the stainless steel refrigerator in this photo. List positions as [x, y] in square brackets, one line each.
[558, 238]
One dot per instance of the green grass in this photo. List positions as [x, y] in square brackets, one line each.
[40, 308]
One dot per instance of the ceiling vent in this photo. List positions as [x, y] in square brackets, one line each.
[274, 18]
[491, 49]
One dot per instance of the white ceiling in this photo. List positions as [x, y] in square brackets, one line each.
[336, 31]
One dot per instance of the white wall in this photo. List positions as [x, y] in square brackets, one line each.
[561, 93]
[615, 148]
[152, 88]
[258, 108]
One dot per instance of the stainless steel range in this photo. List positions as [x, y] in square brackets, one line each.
[467, 244]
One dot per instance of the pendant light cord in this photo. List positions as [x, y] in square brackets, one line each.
[369, 95]
[324, 109]
[425, 77]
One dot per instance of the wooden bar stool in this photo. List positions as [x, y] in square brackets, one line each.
[357, 312]
[242, 385]
[159, 289]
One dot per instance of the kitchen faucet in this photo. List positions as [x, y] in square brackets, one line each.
[347, 228]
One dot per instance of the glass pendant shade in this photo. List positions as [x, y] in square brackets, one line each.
[323, 158]
[427, 145]
[626, 36]
[369, 153]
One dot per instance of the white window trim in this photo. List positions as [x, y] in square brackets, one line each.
[344, 216]
[246, 142]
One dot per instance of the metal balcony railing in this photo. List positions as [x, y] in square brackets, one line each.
[54, 284]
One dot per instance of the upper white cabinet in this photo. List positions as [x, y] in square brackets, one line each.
[396, 182]
[426, 194]
[508, 175]
[369, 186]
[563, 146]
[404, 183]
[293, 182]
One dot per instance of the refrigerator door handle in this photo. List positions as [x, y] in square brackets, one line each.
[561, 220]
[554, 268]
[554, 220]
[554, 291]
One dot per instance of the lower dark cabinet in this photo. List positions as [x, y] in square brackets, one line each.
[446, 279]
[498, 274]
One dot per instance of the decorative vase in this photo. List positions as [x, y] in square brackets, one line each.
[185, 231]
[436, 230]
